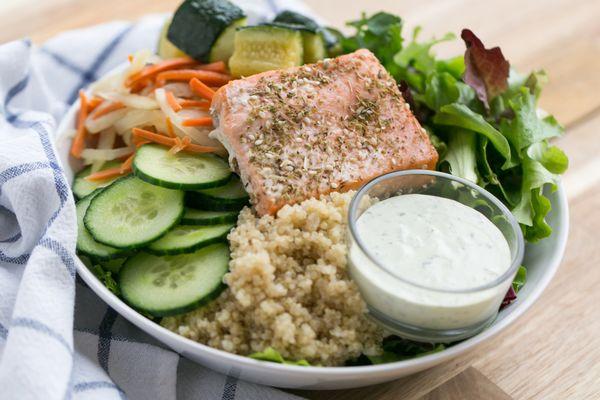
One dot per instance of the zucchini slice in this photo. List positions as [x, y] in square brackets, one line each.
[314, 37]
[170, 285]
[165, 48]
[229, 197]
[188, 238]
[83, 187]
[292, 17]
[154, 164]
[85, 242]
[222, 49]
[131, 213]
[265, 48]
[199, 24]
[192, 216]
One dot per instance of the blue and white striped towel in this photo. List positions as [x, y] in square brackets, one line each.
[57, 339]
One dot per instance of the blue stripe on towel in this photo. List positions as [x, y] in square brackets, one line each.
[20, 260]
[229, 388]
[18, 170]
[39, 326]
[60, 251]
[3, 332]
[105, 336]
[63, 61]
[95, 385]
[90, 74]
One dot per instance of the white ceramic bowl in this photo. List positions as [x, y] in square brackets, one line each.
[542, 261]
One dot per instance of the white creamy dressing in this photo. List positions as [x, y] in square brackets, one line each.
[429, 246]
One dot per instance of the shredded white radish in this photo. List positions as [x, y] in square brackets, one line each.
[179, 89]
[199, 136]
[91, 155]
[106, 140]
[131, 100]
[137, 119]
[105, 121]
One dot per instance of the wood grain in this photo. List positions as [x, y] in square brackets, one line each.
[553, 352]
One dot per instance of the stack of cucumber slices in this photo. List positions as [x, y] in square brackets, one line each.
[163, 229]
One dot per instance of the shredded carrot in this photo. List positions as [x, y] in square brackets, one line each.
[110, 107]
[201, 89]
[204, 121]
[107, 174]
[170, 130]
[203, 104]
[153, 70]
[195, 148]
[167, 141]
[208, 77]
[79, 140]
[177, 147]
[126, 166]
[140, 85]
[218, 66]
[94, 102]
[180, 144]
[173, 101]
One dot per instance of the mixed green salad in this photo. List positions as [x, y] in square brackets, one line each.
[480, 114]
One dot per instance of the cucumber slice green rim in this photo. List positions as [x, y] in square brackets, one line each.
[189, 238]
[192, 216]
[85, 242]
[131, 213]
[171, 285]
[185, 171]
[83, 187]
[229, 197]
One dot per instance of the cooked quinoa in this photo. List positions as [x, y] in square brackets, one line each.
[288, 288]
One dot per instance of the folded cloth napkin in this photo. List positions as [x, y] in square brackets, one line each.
[57, 339]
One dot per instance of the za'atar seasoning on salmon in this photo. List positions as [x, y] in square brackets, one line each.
[301, 132]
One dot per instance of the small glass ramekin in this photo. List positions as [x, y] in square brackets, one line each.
[410, 309]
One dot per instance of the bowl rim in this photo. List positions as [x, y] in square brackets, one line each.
[159, 332]
[516, 259]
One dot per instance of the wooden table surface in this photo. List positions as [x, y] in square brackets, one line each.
[553, 352]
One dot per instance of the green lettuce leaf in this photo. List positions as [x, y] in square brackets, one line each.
[461, 116]
[272, 355]
[398, 349]
[461, 155]
[106, 278]
[525, 127]
[520, 279]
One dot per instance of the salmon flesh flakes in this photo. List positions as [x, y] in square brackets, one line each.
[305, 131]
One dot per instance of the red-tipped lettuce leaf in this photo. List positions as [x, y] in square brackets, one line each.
[486, 70]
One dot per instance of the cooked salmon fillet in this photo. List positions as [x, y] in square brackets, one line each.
[331, 126]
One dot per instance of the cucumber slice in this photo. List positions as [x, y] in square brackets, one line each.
[131, 213]
[264, 48]
[170, 285]
[83, 187]
[229, 197]
[85, 242]
[154, 164]
[223, 47]
[191, 216]
[199, 24]
[166, 49]
[189, 238]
